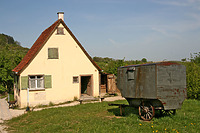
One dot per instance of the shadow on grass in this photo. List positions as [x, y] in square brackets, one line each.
[159, 115]
[128, 111]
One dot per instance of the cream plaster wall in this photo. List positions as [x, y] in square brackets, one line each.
[72, 62]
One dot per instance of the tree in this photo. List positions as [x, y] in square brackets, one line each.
[183, 60]
[110, 65]
[193, 80]
[144, 60]
[11, 53]
[195, 58]
[193, 76]
[113, 66]
[5, 71]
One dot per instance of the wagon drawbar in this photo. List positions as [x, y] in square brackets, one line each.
[155, 86]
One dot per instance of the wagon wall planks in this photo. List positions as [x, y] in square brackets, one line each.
[165, 82]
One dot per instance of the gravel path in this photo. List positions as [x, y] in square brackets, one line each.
[114, 98]
[109, 99]
[4, 110]
[6, 113]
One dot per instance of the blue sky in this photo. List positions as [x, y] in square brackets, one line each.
[154, 29]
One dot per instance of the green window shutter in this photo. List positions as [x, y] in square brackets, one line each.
[52, 53]
[47, 81]
[24, 82]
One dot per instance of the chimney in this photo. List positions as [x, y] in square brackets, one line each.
[61, 15]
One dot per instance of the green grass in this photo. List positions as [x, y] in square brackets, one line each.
[11, 97]
[2, 96]
[101, 118]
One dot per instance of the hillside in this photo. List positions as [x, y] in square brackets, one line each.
[8, 43]
[110, 65]
[11, 53]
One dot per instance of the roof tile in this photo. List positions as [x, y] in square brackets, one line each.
[42, 40]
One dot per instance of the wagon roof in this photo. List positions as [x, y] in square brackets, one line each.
[149, 64]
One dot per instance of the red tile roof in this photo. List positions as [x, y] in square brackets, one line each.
[39, 43]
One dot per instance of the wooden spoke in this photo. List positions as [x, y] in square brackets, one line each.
[146, 112]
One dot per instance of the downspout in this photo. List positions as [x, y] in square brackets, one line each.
[27, 108]
[100, 85]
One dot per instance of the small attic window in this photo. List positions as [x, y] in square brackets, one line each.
[60, 31]
[52, 53]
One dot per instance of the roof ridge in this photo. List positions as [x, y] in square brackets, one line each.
[41, 40]
[35, 47]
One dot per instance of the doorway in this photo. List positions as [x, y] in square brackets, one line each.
[86, 85]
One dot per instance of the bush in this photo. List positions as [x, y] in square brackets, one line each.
[75, 98]
[51, 104]
[193, 80]
[193, 76]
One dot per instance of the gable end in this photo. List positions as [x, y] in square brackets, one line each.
[39, 43]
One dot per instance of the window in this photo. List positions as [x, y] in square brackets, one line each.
[36, 82]
[131, 73]
[75, 79]
[60, 31]
[52, 53]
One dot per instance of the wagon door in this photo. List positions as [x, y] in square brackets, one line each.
[126, 81]
[130, 78]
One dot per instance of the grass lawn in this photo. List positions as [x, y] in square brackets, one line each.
[101, 118]
[11, 97]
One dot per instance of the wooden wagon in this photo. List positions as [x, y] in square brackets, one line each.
[156, 86]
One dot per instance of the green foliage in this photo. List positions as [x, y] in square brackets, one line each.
[75, 98]
[101, 118]
[5, 39]
[193, 76]
[11, 53]
[51, 104]
[11, 97]
[193, 80]
[110, 65]
[144, 60]
[195, 58]
[113, 65]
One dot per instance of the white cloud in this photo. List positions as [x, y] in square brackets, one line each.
[172, 2]
[162, 31]
[167, 31]
[195, 4]
[114, 43]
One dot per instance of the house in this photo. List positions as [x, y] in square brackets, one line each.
[56, 69]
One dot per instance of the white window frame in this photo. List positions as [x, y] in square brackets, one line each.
[35, 79]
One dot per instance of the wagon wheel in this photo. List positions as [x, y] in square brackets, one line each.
[168, 112]
[146, 112]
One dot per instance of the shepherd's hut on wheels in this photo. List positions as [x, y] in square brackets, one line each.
[155, 86]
